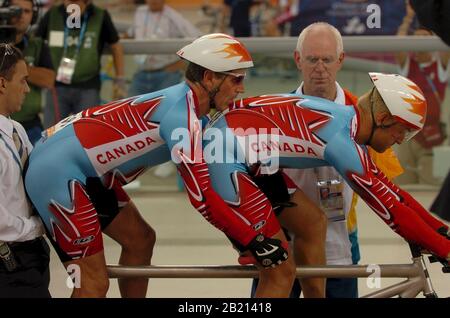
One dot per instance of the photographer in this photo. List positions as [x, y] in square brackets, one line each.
[37, 57]
[24, 254]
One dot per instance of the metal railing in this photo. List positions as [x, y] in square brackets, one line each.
[417, 278]
[248, 271]
[270, 45]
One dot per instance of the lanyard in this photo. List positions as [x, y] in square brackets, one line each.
[81, 37]
[25, 42]
[156, 27]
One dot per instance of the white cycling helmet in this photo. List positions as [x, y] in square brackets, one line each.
[217, 52]
[404, 99]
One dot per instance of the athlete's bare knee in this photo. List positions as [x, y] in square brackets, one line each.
[313, 287]
[317, 228]
[148, 239]
[289, 271]
[317, 218]
[96, 288]
[321, 225]
[140, 241]
[89, 276]
[322, 220]
[283, 275]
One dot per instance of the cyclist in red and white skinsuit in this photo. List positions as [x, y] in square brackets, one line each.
[85, 159]
[271, 132]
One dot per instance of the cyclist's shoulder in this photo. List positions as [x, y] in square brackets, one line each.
[318, 103]
[176, 103]
[176, 92]
[169, 96]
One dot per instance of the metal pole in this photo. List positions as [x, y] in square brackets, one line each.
[236, 271]
[266, 45]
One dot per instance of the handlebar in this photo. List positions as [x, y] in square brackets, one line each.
[417, 251]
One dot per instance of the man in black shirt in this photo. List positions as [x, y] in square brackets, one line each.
[239, 13]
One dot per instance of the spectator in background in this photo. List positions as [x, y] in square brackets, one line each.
[237, 12]
[435, 14]
[44, 5]
[156, 20]
[287, 10]
[76, 51]
[41, 75]
[430, 71]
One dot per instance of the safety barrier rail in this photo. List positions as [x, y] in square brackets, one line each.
[238, 271]
[417, 277]
[287, 44]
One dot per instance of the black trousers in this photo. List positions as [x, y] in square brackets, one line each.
[32, 277]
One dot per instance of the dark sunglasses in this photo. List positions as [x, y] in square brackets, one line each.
[237, 78]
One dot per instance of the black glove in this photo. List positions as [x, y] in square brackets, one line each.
[444, 232]
[267, 251]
